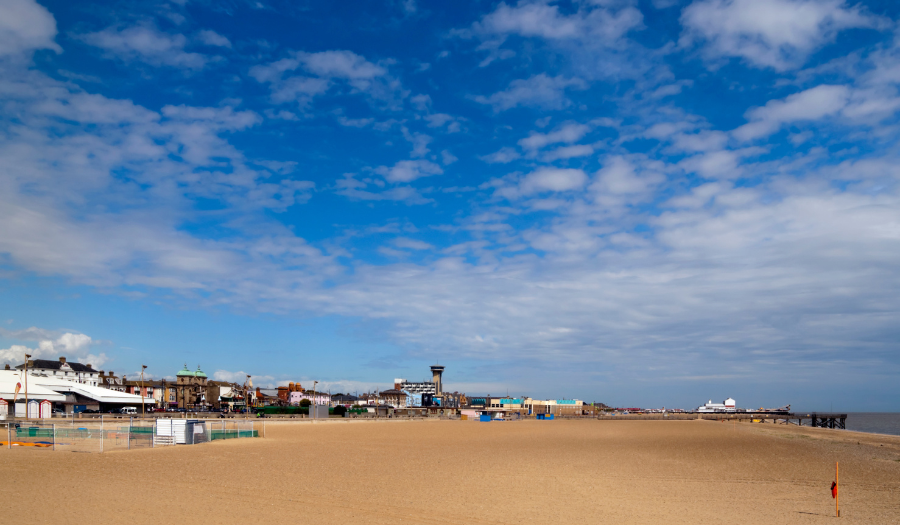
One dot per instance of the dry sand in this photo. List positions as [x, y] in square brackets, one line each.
[396, 472]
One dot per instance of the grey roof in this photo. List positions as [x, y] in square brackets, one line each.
[48, 364]
[344, 397]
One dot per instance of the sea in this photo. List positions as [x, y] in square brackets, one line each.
[876, 422]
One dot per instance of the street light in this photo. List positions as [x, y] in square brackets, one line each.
[247, 393]
[314, 398]
[27, 356]
[143, 367]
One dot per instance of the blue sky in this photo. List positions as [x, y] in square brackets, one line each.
[630, 201]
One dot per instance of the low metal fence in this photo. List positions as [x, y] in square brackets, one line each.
[120, 434]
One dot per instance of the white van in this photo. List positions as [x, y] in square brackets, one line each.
[128, 411]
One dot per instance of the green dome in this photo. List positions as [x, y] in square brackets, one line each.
[184, 372]
[199, 373]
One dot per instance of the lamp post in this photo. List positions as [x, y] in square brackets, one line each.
[247, 385]
[143, 367]
[314, 397]
[27, 356]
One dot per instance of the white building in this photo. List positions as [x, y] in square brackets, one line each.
[68, 394]
[13, 404]
[425, 387]
[75, 372]
[725, 406]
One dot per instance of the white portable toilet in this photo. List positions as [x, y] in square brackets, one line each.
[4, 409]
[46, 410]
[34, 409]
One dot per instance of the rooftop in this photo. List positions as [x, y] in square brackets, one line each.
[49, 364]
[184, 372]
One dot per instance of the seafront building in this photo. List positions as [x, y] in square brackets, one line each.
[314, 398]
[76, 372]
[725, 406]
[50, 393]
[193, 390]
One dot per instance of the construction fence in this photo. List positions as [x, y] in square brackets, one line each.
[121, 434]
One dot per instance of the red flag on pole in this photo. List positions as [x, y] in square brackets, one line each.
[833, 489]
[16, 396]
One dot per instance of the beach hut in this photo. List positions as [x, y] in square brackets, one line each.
[181, 431]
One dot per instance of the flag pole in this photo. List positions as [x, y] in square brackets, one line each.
[837, 491]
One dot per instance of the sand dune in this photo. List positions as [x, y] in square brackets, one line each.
[394, 472]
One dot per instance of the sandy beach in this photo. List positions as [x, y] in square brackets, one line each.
[466, 472]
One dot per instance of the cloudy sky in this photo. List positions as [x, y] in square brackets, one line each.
[640, 202]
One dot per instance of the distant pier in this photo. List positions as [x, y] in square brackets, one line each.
[816, 419]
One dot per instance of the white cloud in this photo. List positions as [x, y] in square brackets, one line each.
[532, 19]
[768, 33]
[538, 91]
[409, 170]
[411, 244]
[601, 23]
[501, 156]
[419, 142]
[568, 152]
[373, 190]
[543, 180]
[25, 26]
[552, 179]
[622, 181]
[448, 158]
[327, 69]
[147, 44]
[437, 120]
[812, 104]
[211, 38]
[340, 64]
[76, 347]
[568, 133]
[355, 122]
[714, 164]
[240, 377]
[299, 89]
[592, 38]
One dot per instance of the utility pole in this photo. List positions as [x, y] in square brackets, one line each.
[143, 367]
[314, 397]
[247, 385]
[27, 356]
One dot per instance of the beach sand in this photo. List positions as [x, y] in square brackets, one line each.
[422, 472]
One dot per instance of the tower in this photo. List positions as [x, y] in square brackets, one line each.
[436, 372]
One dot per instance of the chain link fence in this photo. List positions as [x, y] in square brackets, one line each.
[120, 434]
